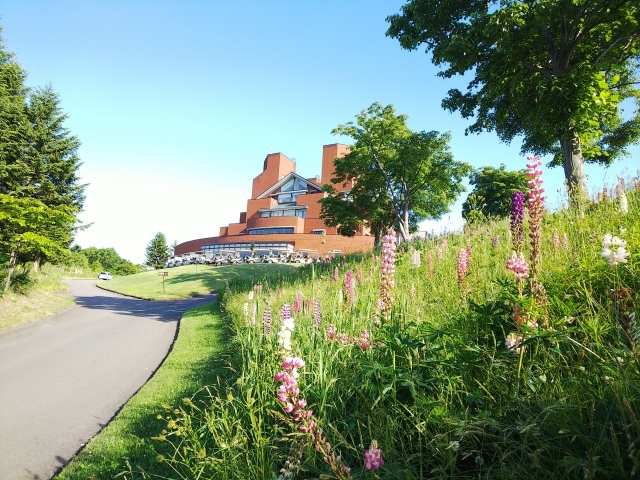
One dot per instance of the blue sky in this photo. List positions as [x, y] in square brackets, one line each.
[178, 103]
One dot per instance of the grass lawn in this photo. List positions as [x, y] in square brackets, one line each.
[195, 360]
[185, 282]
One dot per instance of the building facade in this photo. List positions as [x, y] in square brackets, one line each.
[283, 214]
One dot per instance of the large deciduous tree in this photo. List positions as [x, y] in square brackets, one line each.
[492, 192]
[552, 71]
[157, 251]
[412, 174]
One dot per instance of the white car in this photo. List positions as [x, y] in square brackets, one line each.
[105, 276]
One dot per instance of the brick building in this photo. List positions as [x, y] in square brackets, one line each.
[283, 213]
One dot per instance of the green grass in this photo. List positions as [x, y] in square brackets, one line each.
[196, 359]
[185, 282]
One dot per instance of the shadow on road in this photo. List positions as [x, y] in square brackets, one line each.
[161, 311]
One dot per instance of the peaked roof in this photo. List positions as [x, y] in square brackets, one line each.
[284, 180]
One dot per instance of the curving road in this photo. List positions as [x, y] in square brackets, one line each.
[64, 377]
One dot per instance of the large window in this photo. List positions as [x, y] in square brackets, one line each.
[270, 231]
[294, 212]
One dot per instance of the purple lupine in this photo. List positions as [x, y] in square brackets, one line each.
[285, 312]
[266, 320]
[387, 270]
[517, 217]
[317, 314]
[494, 242]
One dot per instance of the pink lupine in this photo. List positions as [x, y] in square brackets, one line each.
[535, 204]
[430, 263]
[565, 241]
[556, 240]
[373, 457]
[342, 338]
[257, 288]
[307, 305]
[387, 270]
[359, 275]
[518, 265]
[463, 267]
[296, 407]
[317, 314]
[350, 288]
[494, 242]
[365, 339]
[415, 257]
[297, 304]
[331, 331]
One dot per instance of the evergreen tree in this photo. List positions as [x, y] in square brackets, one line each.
[157, 251]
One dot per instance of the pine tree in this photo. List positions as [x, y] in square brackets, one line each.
[157, 251]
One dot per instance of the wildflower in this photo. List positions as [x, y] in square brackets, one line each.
[316, 313]
[513, 341]
[359, 275]
[254, 311]
[430, 263]
[373, 457]
[463, 267]
[331, 331]
[387, 272]
[535, 204]
[517, 217]
[350, 288]
[556, 240]
[245, 311]
[257, 288]
[307, 306]
[614, 250]
[624, 203]
[365, 339]
[518, 265]
[415, 257]
[266, 320]
[250, 295]
[565, 241]
[297, 304]
[494, 242]
[286, 329]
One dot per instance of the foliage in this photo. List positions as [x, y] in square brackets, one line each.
[108, 259]
[412, 175]
[553, 72]
[157, 251]
[30, 226]
[491, 195]
[437, 386]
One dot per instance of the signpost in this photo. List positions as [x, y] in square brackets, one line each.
[163, 274]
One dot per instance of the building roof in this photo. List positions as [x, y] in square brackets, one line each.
[284, 180]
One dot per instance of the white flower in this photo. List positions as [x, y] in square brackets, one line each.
[613, 250]
[624, 203]
[250, 295]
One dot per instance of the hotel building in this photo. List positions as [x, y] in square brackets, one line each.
[283, 214]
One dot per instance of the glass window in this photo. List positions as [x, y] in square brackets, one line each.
[270, 231]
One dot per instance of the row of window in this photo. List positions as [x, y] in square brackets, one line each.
[270, 231]
[298, 212]
[258, 246]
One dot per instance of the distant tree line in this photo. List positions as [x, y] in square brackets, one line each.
[40, 192]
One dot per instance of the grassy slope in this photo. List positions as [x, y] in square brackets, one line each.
[194, 361]
[40, 301]
[184, 282]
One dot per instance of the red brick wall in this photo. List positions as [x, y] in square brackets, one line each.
[329, 154]
[276, 165]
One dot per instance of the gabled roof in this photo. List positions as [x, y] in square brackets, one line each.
[284, 180]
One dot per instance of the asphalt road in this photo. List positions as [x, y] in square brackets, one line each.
[64, 377]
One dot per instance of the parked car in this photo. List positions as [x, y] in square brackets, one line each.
[105, 276]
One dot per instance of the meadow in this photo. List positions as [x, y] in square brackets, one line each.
[430, 361]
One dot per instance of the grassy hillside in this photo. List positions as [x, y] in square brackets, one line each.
[35, 296]
[191, 280]
[468, 376]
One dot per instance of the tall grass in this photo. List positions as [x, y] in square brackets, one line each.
[438, 389]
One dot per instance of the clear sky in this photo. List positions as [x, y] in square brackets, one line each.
[178, 103]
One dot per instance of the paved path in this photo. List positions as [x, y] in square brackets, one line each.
[63, 378]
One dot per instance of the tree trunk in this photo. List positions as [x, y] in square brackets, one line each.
[36, 263]
[573, 164]
[12, 264]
